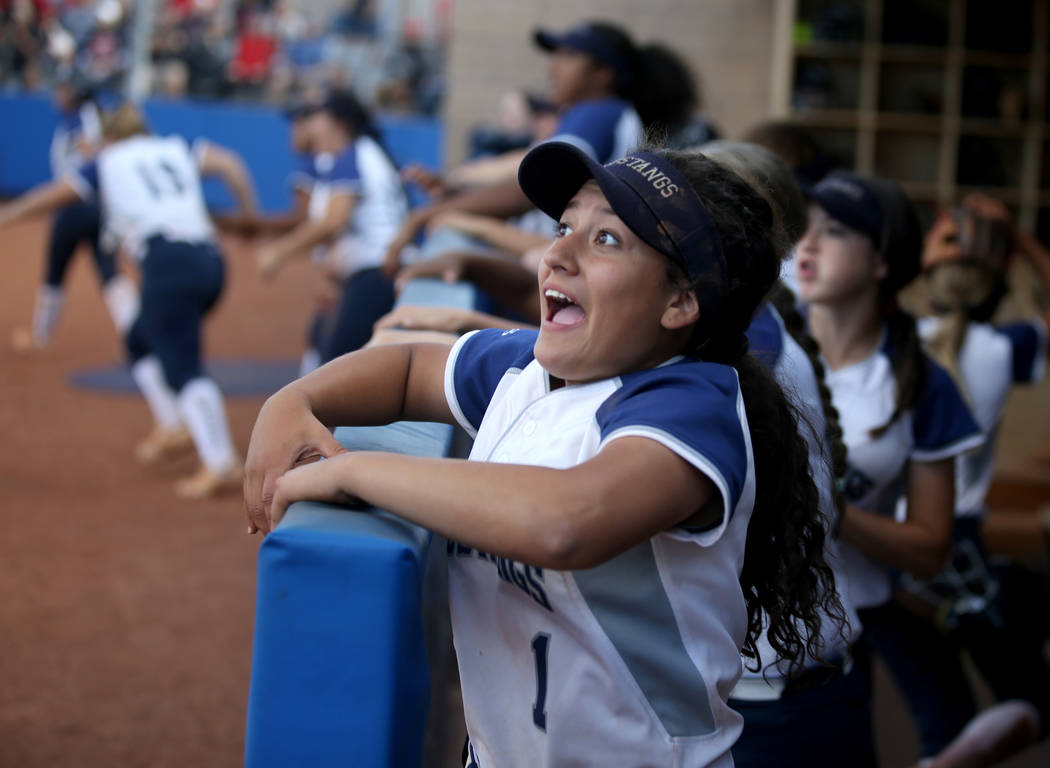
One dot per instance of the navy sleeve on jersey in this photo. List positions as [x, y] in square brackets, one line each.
[942, 424]
[765, 337]
[694, 409]
[85, 181]
[476, 365]
[1028, 344]
[591, 126]
[345, 176]
[303, 175]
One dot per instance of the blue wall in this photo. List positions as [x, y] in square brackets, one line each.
[258, 133]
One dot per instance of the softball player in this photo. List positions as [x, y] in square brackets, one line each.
[625, 456]
[75, 140]
[150, 193]
[904, 420]
[356, 203]
[594, 71]
[975, 604]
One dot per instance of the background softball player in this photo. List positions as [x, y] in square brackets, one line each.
[76, 139]
[356, 204]
[977, 604]
[153, 208]
[903, 418]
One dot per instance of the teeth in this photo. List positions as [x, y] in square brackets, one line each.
[550, 293]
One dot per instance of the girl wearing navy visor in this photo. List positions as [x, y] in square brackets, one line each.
[637, 492]
[607, 91]
[904, 421]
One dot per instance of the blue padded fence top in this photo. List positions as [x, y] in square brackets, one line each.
[258, 133]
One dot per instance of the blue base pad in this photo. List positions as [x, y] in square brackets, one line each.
[234, 377]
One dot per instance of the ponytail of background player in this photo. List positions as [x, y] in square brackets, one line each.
[636, 484]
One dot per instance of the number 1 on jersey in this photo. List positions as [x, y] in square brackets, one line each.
[540, 649]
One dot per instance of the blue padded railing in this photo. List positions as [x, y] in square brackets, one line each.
[339, 665]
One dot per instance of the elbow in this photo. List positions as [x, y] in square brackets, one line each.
[564, 541]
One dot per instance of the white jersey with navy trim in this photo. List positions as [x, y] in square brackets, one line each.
[147, 186]
[365, 171]
[630, 662]
[83, 125]
[606, 129]
[939, 426]
[771, 343]
[991, 360]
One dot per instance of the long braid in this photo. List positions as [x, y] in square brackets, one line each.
[783, 300]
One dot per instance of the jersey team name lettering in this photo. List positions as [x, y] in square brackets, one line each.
[527, 578]
[657, 178]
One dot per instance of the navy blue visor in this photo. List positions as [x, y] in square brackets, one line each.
[647, 193]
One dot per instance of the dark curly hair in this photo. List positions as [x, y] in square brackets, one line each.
[785, 574]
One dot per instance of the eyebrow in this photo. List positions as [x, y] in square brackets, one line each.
[606, 209]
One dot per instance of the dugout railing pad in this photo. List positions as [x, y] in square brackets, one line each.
[339, 661]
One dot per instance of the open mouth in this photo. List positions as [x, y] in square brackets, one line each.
[562, 309]
[805, 269]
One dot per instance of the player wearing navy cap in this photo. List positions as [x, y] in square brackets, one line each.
[150, 192]
[904, 420]
[600, 83]
[637, 490]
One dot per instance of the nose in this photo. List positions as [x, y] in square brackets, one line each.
[561, 255]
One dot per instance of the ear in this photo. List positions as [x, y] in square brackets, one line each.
[682, 310]
[882, 268]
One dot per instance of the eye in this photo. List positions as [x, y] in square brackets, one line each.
[562, 230]
[835, 229]
[605, 237]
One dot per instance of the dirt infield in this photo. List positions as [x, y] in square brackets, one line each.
[126, 616]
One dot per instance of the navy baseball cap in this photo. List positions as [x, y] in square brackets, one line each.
[606, 43]
[881, 210]
[647, 193]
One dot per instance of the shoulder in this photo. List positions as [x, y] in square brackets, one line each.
[477, 364]
[684, 395]
[1028, 347]
[765, 336]
[943, 424]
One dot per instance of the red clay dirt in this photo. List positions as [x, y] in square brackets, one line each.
[126, 615]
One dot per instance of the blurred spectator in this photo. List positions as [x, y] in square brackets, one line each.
[253, 51]
[356, 18]
[21, 43]
[522, 118]
[105, 54]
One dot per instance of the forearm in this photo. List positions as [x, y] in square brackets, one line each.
[474, 319]
[302, 238]
[911, 546]
[508, 238]
[42, 199]
[506, 281]
[501, 200]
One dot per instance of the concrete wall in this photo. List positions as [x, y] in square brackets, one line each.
[729, 44]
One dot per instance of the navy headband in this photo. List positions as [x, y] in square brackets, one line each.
[650, 195]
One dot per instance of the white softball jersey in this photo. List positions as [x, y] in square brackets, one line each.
[364, 171]
[991, 360]
[147, 186]
[772, 344]
[630, 662]
[939, 426]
